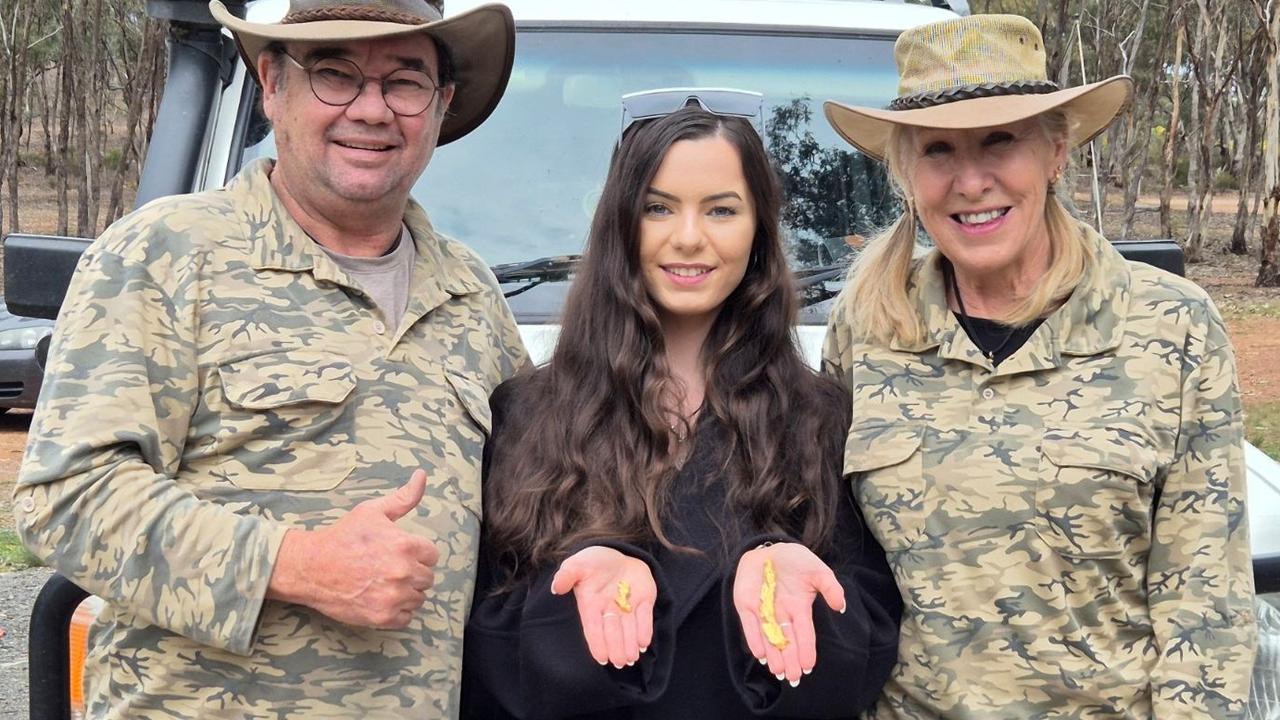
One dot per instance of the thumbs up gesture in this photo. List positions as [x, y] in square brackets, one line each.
[362, 570]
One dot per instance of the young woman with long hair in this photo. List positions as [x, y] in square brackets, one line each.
[664, 500]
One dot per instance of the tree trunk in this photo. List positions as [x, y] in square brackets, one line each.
[1246, 152]
[67, 105]
[1122, 138]
[1212, 77]
[48, 110]
[1168, 167]
[76, 59]
[6, 57]
[19, 37]
[1135, 155]
[138, 90]
[92, 142]
[1269, 241]
[1195, 133]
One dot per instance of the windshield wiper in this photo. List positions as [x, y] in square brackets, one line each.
[553, 268]
[811, 283]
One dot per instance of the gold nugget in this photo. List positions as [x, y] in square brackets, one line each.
[623, 598]
[768, 619]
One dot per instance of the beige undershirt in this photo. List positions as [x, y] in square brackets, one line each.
[384, 279]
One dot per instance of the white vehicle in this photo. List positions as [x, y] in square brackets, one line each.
[521, 189]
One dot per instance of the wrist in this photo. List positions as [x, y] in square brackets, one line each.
[290, 577]
[762, 541]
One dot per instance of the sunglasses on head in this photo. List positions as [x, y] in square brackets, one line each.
[727, 102]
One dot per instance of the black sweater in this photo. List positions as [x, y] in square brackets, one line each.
[525, 655]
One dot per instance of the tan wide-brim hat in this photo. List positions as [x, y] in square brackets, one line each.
[975, 72]
[481, 43]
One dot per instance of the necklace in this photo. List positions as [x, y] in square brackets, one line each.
[963, 318]
[677, 434]
[682, 427]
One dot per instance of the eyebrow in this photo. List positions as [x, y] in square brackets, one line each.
[709, 198]
[325, 52]
[412, 63]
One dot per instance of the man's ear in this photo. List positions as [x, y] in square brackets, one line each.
[446, 96]
[268, 78]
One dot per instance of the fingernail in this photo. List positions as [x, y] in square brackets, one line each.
[763, 661]
[806, 671]
[781, 676]
[644, 649]
[619, 667]
[603, 663]
[846, 607]
[633, 662]
[795, 683]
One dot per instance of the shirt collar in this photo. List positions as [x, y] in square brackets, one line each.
[1091, 321]
[281, 244]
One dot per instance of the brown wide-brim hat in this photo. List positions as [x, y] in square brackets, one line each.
[481, 43]
[975, 72]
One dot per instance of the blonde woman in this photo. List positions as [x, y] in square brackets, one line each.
[1046, 439]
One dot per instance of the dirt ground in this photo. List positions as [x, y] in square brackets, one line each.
[1253, 322]
[13, 438]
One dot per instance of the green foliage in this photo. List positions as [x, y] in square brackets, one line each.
[1181, 170]
[111, 160]
[1262, 427]
[13, 556]
[1225, 181]
[1236, 311]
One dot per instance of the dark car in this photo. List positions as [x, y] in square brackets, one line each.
[24, 346]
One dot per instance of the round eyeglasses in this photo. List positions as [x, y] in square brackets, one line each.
[338, 82]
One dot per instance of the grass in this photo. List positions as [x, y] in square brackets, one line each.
[13, 556]
[1262, 427]
[1233, 310]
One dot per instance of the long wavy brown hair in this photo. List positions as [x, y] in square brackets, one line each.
[597, 463]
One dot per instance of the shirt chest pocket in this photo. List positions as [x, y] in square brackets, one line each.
[287, 425]
[886, 465]
[1094, 495]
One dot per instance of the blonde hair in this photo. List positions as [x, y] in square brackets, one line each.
[875, 297]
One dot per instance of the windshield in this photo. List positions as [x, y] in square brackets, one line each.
[523, 186]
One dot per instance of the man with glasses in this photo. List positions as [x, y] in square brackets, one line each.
[261, 435]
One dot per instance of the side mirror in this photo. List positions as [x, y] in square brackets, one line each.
[37, 271]
[1164, 254]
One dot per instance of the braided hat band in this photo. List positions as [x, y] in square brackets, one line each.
[969, 92]
[354, 12]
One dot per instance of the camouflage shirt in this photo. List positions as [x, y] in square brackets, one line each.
[1068, 531]
[216, 379]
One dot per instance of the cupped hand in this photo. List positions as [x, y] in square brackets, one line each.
[597, 576]
[800, 577]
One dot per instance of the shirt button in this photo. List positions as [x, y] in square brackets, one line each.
[27, 504]
[988, 393]
[379, 328]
